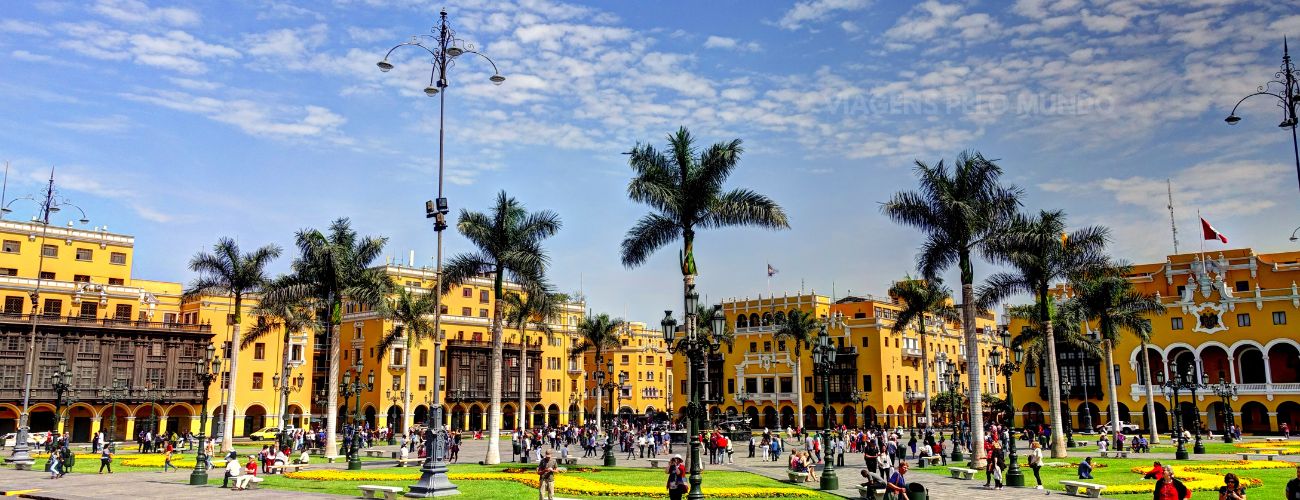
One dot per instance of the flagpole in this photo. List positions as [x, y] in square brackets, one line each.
[1200, 220]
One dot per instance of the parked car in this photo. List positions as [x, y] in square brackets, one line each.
[267, 434]
[33, 438]
[1124, 427]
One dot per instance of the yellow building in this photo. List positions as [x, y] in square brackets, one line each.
[877, 375]
[1227, 318]
[551, 382]
[639, 372]
[105, 325]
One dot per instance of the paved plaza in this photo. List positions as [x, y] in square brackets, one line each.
[141, 483]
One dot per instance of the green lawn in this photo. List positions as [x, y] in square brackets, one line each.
[1216, 446]
[508, 489]
[1117, 472]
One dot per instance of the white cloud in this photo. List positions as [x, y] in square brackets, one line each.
[720, 42]
[286, 46]
[23, 55]
[372, 35]
[138, 12]
[102, 124]
[175, 49]
[934, 19]
[1109, 24]
[810, 11]
[850, 27]
[22, 28]
[254, 118]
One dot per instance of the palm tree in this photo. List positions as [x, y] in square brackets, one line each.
[798, 328]
[330, 268]
[1116, 305]
[1040, 254]
[409, 311]
[534, 309]
[228, 271]
[509, 241]
[289, 318]
[598, 332]
[922, 299]
[685, 191]
[958, 211]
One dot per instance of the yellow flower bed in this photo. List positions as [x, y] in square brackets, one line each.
[149, 461]
[1288, 448]
[563, 484]
[1202, 477]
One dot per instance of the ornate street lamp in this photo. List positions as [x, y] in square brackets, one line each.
[1014, 476]
[1285, 87]
[62, 383]
[114, 393]
[602, 386]
[696, 347]
[1178, 383]
[824, 365]
[154, 397]
[950, 378]
[50, 203]
[445, 49]
[205, 370]
[1069, 427]
[1226, 392]
[285, 386]
[352, 388]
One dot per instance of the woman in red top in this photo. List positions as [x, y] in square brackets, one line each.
[1169, 488]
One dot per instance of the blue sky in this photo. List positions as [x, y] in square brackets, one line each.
[180, 122]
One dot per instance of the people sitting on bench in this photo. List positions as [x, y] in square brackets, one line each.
[303, 458]
[249, 475]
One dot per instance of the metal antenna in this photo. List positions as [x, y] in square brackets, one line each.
[1173, 226]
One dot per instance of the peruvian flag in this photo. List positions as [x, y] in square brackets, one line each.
[1210, 233]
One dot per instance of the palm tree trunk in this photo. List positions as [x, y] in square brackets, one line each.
[523, 375]
[925, 373]
[973, 372]
[332, 399]
[1054, 391]
[600, 393]
[228, 419]
[798, 385]
[1114, 396]
[1151, 398]
[494, 403]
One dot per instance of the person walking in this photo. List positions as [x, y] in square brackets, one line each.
[167, 460]
[105, 459]
[546, 477]
[897, 483]
[1293, 486]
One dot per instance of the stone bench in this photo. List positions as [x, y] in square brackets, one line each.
[1116, 453]
[335, 458]
[797, 477]
[252, 482]
[1267, 456]
[1275, 439]
[569, 461]
[1082, 489]
[1278, 451]
[282, 468]
[374, 453]
[927, 461]
[372, 491]
[403, 462]
[875, 492]
[658, 463]
[962, 473]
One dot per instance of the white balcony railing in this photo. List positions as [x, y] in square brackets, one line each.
[911, 352]
[1290, 388]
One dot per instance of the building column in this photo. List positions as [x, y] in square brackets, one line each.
[237, 426]
[1232, 370]
[129, 434]
[1273, 424]
[1268, 378]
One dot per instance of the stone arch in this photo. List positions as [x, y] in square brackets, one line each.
[1162, 418]
[1249, 360]
[779, 318]
[810, 417]
[753, 319]
[889, 416]
[539, 415]
[1188, 414]
[1124, 414]
[394, 417]
[575, 415]
[1254, 418]
[507, 417]
[751, 414]
[1215, 361]
[787, 417]
[1283, 367]
[769, 418]
[457, 418]
[177, 419]
[869, 416]
[371, 416]
[475, 418]
[80, 422]
[1154, 355]
[1032, 414]
[553, 415]
[1216, 419]
[849, 417]
[1289, 413]
[742, 321]
[766, 318]
[254, 419]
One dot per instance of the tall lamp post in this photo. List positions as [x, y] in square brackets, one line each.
[154, 397]
[824, 365]
[950, 378]
[445, 48]
[205, 370]
[601, 387]
[1172, 387]
[286, 385]
[1226, 392]
[1014, 476]
[1285, 87]
[51, 203]
[352, 388]
[696, 346]
[1065, 407]
[62, 383]
[113, 393]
